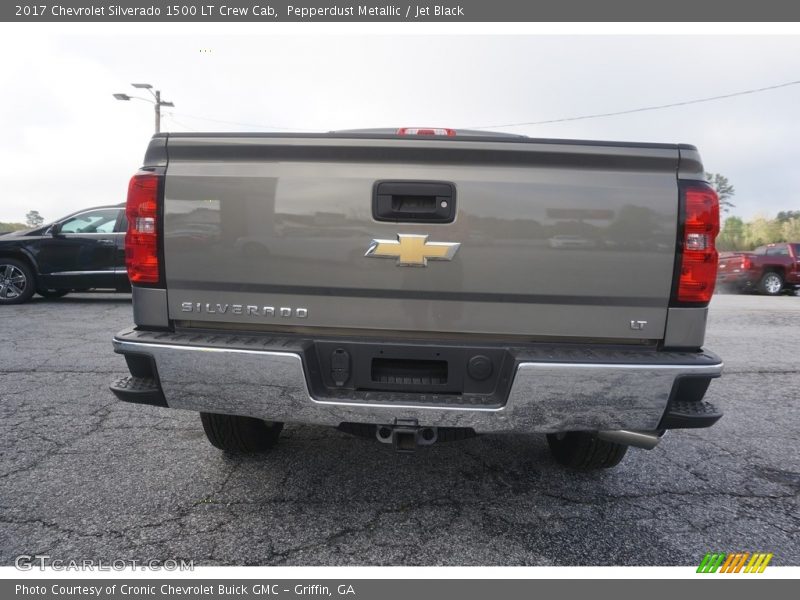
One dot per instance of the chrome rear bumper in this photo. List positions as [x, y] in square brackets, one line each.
[237, 375]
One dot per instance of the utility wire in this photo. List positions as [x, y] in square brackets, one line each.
[646, 108]
[497, 126]
[172, 118]
[262, 126]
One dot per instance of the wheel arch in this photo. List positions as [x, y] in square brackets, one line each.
[778, 269]
[21, 254]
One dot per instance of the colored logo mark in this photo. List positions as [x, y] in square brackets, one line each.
[734, 562]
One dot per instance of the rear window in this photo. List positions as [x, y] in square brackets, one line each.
[778, 251]
[796, 248]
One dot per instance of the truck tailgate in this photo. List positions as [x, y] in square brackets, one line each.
[555, 239]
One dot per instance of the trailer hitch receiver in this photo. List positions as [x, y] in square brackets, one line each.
[406, 435]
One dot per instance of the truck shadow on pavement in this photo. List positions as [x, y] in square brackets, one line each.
[83, 299]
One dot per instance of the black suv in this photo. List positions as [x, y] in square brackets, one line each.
[82, 251]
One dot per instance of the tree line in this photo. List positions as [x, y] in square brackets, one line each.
[738, 234]
[32, 219]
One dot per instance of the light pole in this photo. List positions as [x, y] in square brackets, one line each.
[157, 102]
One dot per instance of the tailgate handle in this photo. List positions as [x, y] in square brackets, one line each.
[414, 201]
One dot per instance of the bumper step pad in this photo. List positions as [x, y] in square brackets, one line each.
[690, 415]
[139, 390]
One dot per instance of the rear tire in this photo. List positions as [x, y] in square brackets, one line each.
[17, 281]
[771, 284]
[240, 434]
[584, 451]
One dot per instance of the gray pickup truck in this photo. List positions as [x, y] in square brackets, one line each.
[422, 285]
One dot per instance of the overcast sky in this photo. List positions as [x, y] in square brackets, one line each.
[67, 144]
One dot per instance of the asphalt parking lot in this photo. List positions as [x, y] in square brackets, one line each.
[84, 476]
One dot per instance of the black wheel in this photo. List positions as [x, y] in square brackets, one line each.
[240, 434]
[771, 284]
[52, 293]
[584, 451]
[17, 281]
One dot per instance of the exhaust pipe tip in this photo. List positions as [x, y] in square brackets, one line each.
[646, 440]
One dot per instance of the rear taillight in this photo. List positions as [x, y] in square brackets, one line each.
[426, 131]
[141, 240]
[698, 268]
[746, 263]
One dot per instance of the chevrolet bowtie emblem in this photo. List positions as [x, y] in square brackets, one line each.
[412, 250]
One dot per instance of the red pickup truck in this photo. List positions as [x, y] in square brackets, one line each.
[768, 269]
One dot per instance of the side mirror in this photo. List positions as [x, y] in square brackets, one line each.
[55, 229]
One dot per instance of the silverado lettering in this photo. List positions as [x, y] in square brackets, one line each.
[238, 309]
